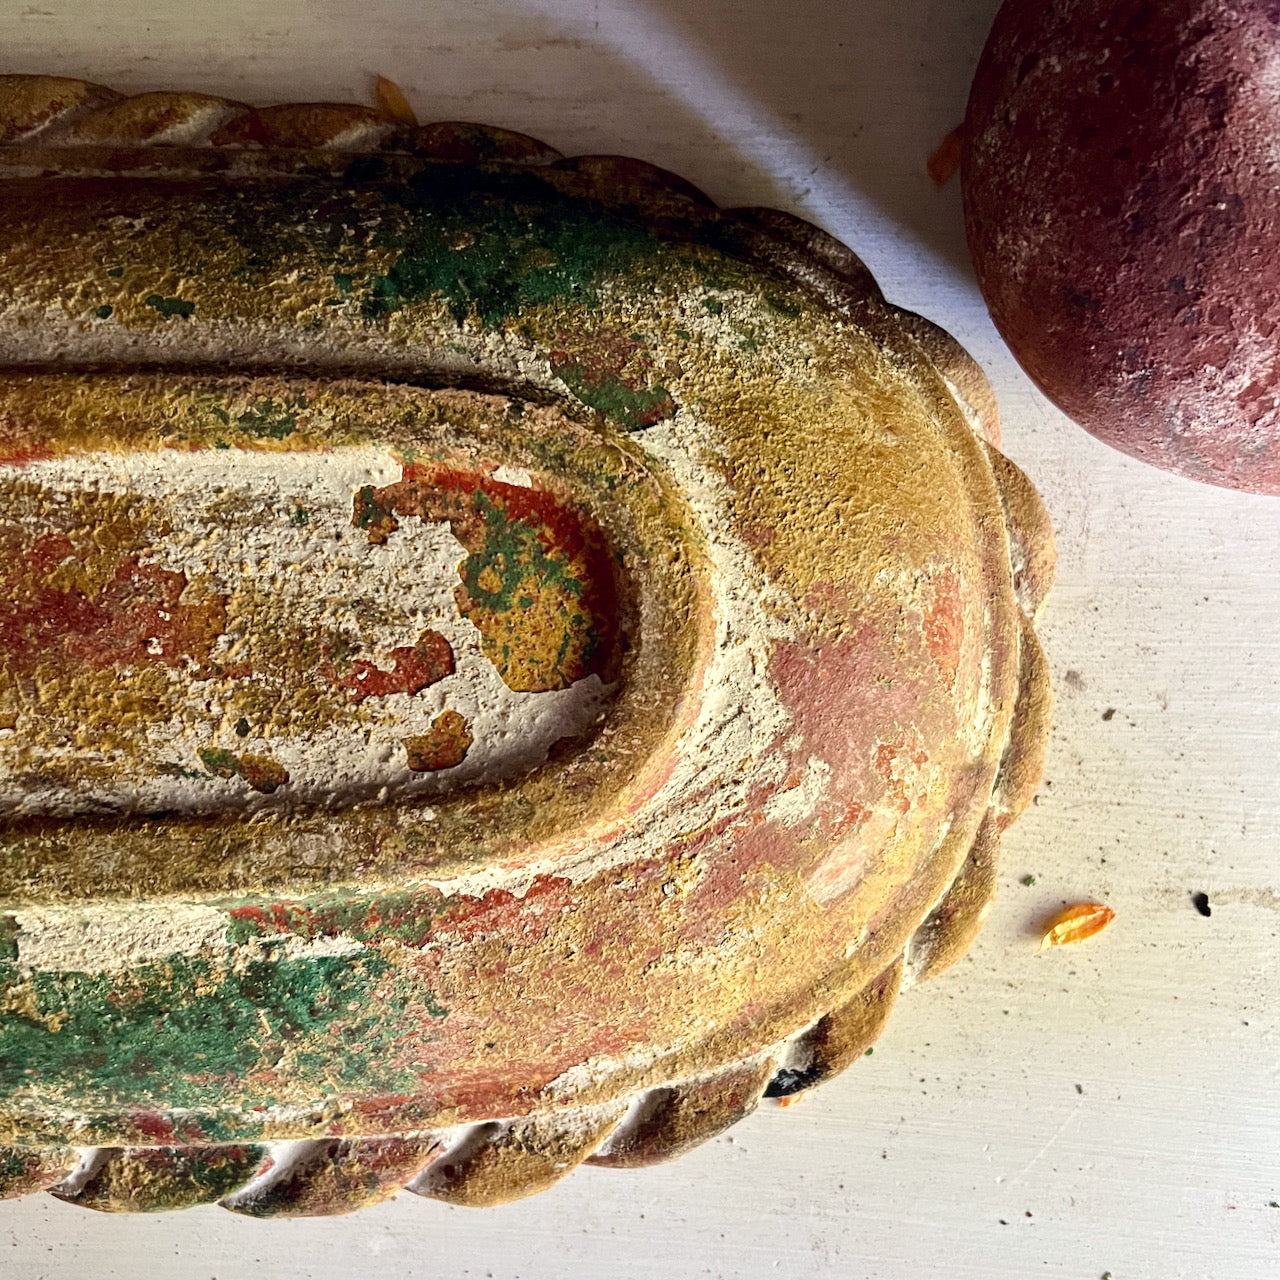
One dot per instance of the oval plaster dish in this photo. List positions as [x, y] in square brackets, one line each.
[502, 663]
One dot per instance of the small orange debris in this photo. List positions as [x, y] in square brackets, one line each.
[393, 104]
[946, 160]
[791, 1099]
[1077, 923]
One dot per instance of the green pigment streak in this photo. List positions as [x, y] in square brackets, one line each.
[266, 420]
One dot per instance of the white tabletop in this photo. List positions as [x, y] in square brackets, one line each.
[1111, 1108]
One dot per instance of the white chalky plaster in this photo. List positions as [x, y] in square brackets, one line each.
[96, 939]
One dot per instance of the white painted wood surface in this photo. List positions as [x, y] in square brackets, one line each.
[1109, 1109]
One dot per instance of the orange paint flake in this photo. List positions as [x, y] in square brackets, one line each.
[1075, 924]
[946, 159]
[393, 104]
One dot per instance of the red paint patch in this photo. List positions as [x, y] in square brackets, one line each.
[137, 619]
[814, 682]
[844, 821]
[19, 454]
[520, 540]
[152, 1124]
[417, 667]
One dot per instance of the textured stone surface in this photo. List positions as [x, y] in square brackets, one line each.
[332, 480]
[1122, 201]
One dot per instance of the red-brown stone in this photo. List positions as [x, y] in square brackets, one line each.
[1122, 200]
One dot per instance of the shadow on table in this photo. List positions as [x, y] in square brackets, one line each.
[811, 93]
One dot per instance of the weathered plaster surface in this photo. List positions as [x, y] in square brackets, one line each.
[699, 663]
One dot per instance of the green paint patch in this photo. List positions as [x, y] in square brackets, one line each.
[220, 763]
[613, 373]
[170, 307]
[299, 516]
[183, 1032]
[633, 408]
[373, 515]
[539, 583]
[781, 303]
[104, 312]
[491, 244]
[266, 420]
[260, 772]
[15, 1167]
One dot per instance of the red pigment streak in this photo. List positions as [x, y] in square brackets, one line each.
[729, 878]
[18, 455]
[733, 865]
[437, 492]
[758, 534]
[416, 667]
[606, 964]
[519, 921]
[852, 816]
[862, 739]
[944, 625]
[813, 682]
[408, 918]
[155, 1126]
[388, 1107]
[494, 1092]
